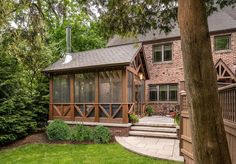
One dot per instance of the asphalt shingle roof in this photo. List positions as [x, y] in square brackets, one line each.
[222, 20]
[112, 56]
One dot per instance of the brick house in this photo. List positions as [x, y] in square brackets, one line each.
[107, 85]
[165, 64]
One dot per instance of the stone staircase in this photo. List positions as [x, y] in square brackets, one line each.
[159, 130]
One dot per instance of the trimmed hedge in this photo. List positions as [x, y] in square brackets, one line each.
[101, 134]
[58, 130]
[81, 133]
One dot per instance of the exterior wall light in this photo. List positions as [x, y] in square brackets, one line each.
[140, 76]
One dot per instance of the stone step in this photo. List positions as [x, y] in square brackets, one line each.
[171, 125]
[153, 129]
[153, 134]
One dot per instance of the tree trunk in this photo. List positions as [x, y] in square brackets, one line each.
[208, 134]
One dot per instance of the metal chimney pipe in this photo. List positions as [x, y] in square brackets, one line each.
[68, 39]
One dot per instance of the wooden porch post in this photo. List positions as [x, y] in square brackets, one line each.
[72, 96]
[96, 97]
[51, 98]
[124, 96]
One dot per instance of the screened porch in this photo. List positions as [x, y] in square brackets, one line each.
[99, 94]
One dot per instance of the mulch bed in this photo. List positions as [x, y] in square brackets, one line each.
[41, 138]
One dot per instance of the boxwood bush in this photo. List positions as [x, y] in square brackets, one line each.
[58, 130]
[81, 133]
[101, 134]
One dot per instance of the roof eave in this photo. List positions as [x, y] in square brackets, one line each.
[94, 67]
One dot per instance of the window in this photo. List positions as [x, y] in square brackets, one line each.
[153, 93]
[165, 92]
[85, 88]
[61, 89]
[222, 42]
[162, 53]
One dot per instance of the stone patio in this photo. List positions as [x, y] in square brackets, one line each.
[152, 147]
[157, 119]
[161, 148]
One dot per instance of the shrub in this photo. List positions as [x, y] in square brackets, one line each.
[133, 118]
[101, 134]
[58, 130]
[81, 133]
[149, 110]
[177, 118]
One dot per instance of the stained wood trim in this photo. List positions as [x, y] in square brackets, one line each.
[188, 139]
[117, 110]
[65, 112]
[125, 95]
[104, 111]
[220, 63]
[90, 109]
[190, 155]
[78, 109]
[51, 98]
[58, 111]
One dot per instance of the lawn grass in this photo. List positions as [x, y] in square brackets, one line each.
[94, 153]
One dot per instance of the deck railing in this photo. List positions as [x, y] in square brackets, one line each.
[94, 112]
[227, 97]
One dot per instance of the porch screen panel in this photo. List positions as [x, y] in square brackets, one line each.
[61, 89]
[130, 86]
[110, 86]
[116, 96]
[84, 88]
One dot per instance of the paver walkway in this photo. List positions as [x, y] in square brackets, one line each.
[152, 147]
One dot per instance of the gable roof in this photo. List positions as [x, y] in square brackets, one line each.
[223, 71]
[224, 19]
[104, 57]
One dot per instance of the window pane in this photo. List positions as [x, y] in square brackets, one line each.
[222, 42]
[61, 89]
[173, 92]
[163, 93]
[167, 52]
[84, 88]
[157, 56]
[153, 93]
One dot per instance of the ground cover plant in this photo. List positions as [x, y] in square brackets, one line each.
[95, 153]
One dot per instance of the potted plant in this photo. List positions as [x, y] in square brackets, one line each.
[149, 110]
[133, 118]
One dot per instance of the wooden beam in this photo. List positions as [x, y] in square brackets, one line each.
[72, 96]
[124, 95]
[131, 69]
[51, 98]
[96, 97]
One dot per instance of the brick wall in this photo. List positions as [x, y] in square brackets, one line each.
[172, 71]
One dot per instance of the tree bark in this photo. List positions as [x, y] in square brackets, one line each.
[208, 134]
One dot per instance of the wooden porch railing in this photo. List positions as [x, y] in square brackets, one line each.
[227, 98]
[92, 112]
